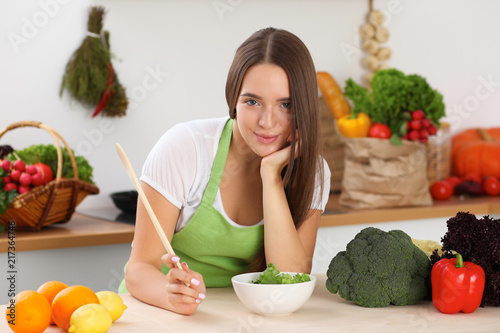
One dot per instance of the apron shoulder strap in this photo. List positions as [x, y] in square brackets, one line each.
[219, 163]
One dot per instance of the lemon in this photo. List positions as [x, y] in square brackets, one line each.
[90, 318]
[112, 302]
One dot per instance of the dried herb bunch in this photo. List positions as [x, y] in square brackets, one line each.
[89, 76]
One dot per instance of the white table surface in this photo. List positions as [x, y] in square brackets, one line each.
[221, 311]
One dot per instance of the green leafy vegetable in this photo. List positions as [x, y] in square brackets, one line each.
[48, 154]
[273, 276]
[392, 95]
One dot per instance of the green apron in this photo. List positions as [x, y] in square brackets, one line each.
[209, 244]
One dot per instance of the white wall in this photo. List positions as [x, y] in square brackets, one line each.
[454, 44]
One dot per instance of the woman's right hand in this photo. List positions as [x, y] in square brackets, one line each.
[181, 298]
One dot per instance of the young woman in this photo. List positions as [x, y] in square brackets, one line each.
[234, 194]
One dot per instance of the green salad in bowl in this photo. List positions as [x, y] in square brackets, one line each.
[273, 276]
[273, 293]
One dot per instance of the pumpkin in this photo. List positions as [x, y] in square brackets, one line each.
[476, 151]
[333, 95]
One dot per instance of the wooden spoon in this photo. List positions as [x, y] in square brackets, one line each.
[142, 195]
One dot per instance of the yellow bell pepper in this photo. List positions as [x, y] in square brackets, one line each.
[354, 126]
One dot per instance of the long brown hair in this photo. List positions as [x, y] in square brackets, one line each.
[284, 49]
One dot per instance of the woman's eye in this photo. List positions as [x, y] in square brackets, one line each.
[286, 105]
[251, 102]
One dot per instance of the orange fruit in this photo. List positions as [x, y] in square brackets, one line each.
[68, 300]
[28, 312]
[50, 289]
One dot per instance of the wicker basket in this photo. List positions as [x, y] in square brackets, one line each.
[53, 202]
[332, 146]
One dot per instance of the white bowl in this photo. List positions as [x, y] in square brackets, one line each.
[272, 299]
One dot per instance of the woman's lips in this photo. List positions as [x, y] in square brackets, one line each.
[263, 138]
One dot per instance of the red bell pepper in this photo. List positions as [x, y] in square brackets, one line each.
[107, 92]
[457, 285]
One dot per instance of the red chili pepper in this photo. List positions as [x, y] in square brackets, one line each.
[457, 285]
[107, 92]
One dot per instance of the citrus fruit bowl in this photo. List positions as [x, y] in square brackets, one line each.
[272, 299]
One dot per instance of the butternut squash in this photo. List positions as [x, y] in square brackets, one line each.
[333, 95]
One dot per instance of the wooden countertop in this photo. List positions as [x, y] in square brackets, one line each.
[222, 311]
[336, 215]
[84, 230]
[81, 230]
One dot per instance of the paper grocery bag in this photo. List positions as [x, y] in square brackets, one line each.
[378, 174]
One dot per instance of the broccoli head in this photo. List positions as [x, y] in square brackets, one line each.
[379, 268]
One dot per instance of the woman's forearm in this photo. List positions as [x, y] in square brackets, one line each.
[147, 283]
[283, 246]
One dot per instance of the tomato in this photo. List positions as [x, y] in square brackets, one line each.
[441, 190]
[453, 181]
[46, 171]
[381, 131]
[491, 186]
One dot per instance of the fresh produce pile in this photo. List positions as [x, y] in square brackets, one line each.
[472, 185]
[399, 106]
[475, 164]
[478, 241]
[22, 178]
[23, 170]
[271, 275]
[75, 309]
[380, 268]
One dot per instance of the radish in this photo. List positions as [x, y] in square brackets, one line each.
[6, 165]
[25, 179]
[31, 169]
[19, 165]
[10, 186]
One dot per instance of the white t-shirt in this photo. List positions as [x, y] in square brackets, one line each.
[180, 163]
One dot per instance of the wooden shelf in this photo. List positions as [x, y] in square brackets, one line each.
[336, 215]
[84, 230]
[81, 230]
